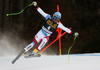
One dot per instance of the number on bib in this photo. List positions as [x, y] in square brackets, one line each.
[49, 27]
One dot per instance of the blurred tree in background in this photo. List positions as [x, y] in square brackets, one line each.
[82, 15]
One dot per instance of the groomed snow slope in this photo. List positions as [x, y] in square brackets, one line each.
[54, 62]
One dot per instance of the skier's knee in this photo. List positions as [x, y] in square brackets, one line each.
[44, 40]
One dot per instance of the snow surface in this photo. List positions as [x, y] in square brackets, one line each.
[53, 62]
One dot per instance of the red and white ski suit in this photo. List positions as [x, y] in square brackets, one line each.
[47, 29]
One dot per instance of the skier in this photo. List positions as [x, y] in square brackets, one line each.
[51, 24]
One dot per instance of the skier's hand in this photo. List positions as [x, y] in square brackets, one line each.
[34, 3]
[76, 34]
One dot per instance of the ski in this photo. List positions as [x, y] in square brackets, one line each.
[31, 55]
[19, 55]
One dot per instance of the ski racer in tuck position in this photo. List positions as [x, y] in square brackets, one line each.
[51, 24]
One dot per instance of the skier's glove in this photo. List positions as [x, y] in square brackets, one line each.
[76, 34]
[34, 3]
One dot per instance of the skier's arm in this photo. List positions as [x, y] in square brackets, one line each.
[67, 30]
[64, 28]
[40, 10]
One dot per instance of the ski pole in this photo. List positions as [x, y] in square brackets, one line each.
[70, 49]
[53, 42]
[20, 11]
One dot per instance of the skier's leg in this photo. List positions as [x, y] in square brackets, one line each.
[28, 47]
[36, 40]
[41, 45]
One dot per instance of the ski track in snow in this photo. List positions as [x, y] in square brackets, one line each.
[53, 62]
